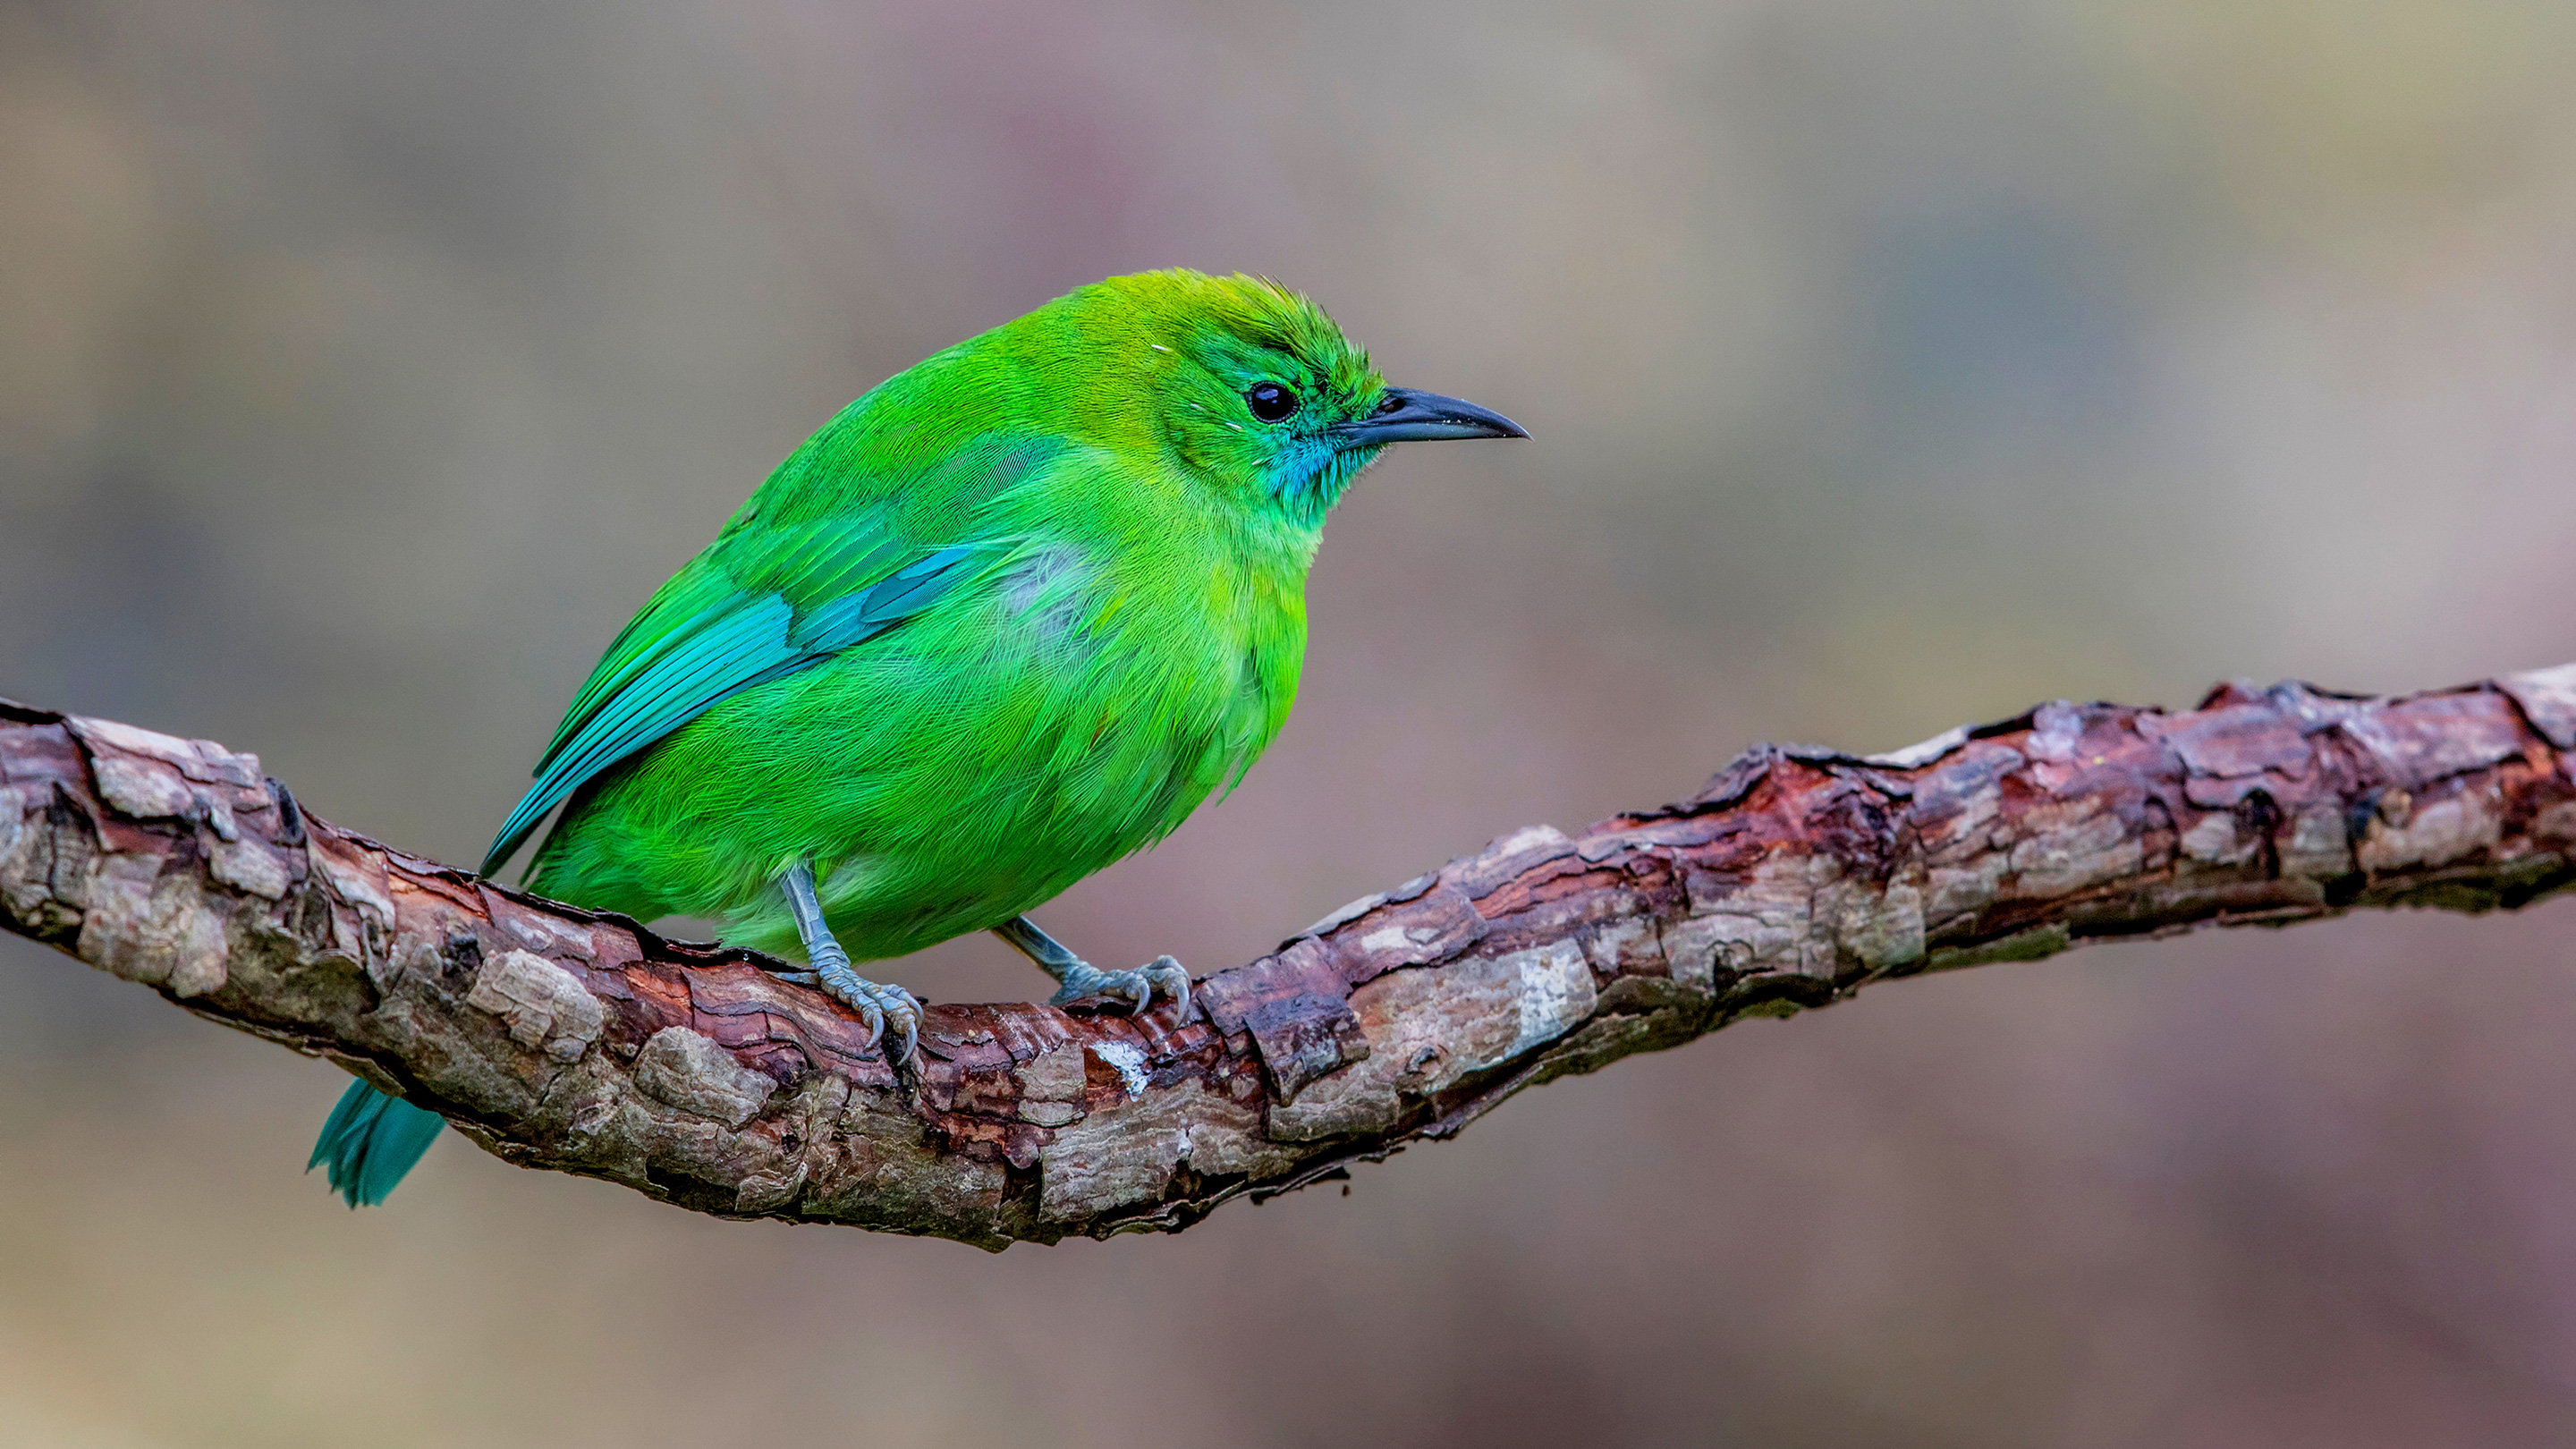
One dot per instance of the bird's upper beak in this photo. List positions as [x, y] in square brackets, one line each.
[1406, 416]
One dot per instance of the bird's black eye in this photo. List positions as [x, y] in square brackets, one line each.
[1269, 401]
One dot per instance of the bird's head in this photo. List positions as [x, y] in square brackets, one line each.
[1253, 388]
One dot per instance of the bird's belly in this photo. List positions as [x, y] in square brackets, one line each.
[945, 788]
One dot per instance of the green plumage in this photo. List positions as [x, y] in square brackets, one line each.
[1118, 636]
[1007, 618]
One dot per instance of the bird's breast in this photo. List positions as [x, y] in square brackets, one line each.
[1162, 675]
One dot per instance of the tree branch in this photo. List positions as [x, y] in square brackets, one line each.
[577, 1041]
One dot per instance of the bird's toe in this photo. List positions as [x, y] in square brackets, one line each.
[879, 1005]
[902, 1011]
[1132, 992]
[1171, 979]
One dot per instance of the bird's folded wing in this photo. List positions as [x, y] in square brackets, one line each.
[706, 635]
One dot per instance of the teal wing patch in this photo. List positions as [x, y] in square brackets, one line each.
[654, 681]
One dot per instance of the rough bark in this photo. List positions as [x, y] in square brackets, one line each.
[582, 1042]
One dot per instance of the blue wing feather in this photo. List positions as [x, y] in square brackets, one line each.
[728, 646]
[853, 619]
[781, 589]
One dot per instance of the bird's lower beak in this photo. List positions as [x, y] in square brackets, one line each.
[1406, 416]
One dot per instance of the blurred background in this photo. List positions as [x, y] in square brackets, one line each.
[363, 366]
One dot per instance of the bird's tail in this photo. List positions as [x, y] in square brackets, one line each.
[369, 1142]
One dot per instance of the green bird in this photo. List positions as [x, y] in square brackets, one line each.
[1008, 617]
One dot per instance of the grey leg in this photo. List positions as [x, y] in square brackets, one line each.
[876, 1005]
[1077, 978]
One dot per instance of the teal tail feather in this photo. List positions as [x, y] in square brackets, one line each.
[370, 1141]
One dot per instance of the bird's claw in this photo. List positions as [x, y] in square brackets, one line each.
[1136, 988]
[877, 1003]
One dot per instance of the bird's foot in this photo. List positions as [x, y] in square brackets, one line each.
[878, 1004]
[1161, 976]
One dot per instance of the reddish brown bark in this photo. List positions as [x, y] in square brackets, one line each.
[570, 1040]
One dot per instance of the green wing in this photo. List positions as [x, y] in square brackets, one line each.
[868, 523]
[804, 593]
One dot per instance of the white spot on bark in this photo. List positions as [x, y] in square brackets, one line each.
[1127, 1060]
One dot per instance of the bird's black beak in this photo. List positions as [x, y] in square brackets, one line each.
[1406, 416]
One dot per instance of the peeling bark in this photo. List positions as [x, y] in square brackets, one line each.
[581, 1042]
